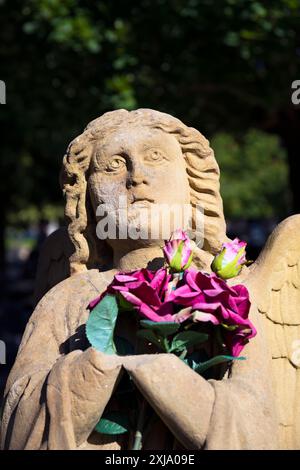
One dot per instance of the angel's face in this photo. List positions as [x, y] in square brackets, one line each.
[143, 166]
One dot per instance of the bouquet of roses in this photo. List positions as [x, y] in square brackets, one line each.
[192, 314]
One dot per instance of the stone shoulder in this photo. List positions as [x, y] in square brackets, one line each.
[78, 289]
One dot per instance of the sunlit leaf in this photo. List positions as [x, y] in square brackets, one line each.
[113, 423]
[101, 324]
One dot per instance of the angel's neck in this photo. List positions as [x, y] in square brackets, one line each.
[145, 257]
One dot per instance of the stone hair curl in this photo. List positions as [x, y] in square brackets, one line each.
[201, 166]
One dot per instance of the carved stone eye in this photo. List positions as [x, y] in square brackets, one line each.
[154, 156]
[116, 164]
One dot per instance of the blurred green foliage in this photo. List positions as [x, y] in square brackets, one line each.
[30, 214]
[223, 66]
[254, 175]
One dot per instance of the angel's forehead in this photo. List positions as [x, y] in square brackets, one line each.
[133, 136]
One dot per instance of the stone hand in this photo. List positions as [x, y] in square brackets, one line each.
[93, 377]
[181, 397]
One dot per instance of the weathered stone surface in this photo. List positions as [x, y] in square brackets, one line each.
[59, 387]
[274, 283]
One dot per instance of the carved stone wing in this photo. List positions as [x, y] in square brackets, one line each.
[53, 266]
[274, 284]
[54, 260]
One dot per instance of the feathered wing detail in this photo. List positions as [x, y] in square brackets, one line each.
[274, 285]
[54, 260]
[53, 265]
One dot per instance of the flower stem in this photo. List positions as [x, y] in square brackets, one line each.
[183, 354]
[137, 444]
[165, 344]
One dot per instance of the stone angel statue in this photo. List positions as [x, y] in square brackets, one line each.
[59, 386]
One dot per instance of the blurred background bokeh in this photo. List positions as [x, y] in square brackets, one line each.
[224, 67]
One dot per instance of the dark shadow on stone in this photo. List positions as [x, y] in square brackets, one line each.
[155, 264]
[77, 341]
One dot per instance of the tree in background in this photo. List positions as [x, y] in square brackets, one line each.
[223, 66]
[254, 175]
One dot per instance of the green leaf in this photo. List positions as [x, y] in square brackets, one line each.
[113, 423]
[186, 339]
[190, 362]
[215, 361]
[196, 358]
[123, 346]
[183, 354]
[175, 263]
[164, 328]
[189, 261]
[124, 304]
[217, 263]
[101, 324]
[151, 337]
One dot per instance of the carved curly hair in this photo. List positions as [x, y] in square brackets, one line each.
[201, 166]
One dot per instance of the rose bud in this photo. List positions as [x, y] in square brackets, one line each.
[228, 263]
[178, 251]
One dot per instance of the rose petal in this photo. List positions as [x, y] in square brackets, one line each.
[94, 302]
[205, 317]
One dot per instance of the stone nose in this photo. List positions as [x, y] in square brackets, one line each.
[136, 177]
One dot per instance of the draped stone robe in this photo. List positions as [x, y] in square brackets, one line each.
[59, 387]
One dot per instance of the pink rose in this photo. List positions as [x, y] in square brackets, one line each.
[178, 251]
[145, 290]
[228, 263]
[212, 300]
[198, 296]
